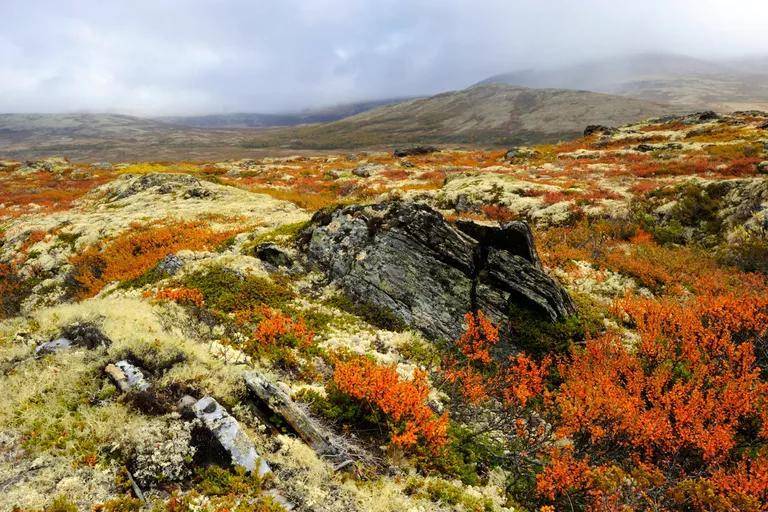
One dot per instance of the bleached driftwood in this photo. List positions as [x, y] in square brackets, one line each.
[280, 403]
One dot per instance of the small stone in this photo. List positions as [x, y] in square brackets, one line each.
[50, 347]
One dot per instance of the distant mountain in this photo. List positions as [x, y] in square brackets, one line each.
[737, 84]
[492, 114]
[484, 115]
[247, 120]
[111, 137]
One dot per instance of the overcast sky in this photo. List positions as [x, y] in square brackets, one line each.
[195, 56]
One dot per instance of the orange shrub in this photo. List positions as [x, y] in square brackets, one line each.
[686, 399]
[479, 337]
[189, 296]
[278, 329]
[134, 252]
[499, 213]
[403, 402]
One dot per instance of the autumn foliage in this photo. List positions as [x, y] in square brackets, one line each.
[184, 296]
[403, 402]
[278, 329]
[685, 402]
[134, 252]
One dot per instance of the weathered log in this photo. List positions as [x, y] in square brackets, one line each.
[280, 403]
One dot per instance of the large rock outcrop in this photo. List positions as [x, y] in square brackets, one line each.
[404, 257]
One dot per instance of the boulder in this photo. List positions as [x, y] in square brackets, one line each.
[404, 258]
[520, 153]
[599, 128]
[158, 183]
[228, 433]
[762, 167]
[414, 151]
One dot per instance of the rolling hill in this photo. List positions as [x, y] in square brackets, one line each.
[726, 85]
[490, 114]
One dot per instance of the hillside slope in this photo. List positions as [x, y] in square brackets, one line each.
[674, 79]
[492, 114]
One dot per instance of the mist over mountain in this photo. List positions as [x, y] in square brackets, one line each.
[724, 84]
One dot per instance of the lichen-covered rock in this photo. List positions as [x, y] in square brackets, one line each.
[405, 258]
[185, 185]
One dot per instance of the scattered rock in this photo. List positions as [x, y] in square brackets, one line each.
[367, 170]
[227, 431]
[170, 265]
[126, 376]
[414, 151]
[599, 128]
[53, 346]
[274, 255]
[83, 334]
[406, 259]
[701, 117]
[520, 153]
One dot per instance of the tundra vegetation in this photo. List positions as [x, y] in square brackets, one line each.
[652, 396]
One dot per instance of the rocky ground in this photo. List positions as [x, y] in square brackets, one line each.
[188, 336]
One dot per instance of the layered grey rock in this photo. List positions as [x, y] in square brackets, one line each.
[404, 257]
[229, 434]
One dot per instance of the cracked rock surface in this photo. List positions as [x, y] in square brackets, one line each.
[405, 258]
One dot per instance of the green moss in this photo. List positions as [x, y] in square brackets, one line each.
[226, 291]
[217, 481]
[376, 316]
[149, 277]
[287, 233]
[537, 334]
[693, 218]
[421, 352]
[121, 504]
[336, 406]
[69, 239]
[61, 504]
[440, 491]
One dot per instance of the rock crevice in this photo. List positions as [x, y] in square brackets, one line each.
[404, 257]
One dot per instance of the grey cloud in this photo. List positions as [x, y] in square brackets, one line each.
[195, 56]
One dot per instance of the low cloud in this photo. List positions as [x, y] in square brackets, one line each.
[157, 57]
